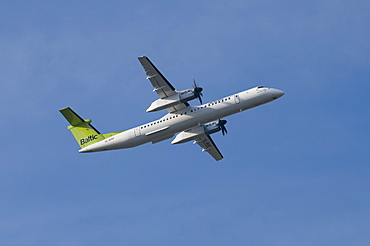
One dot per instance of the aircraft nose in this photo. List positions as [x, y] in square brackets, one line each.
[276, 93]
[279, 93]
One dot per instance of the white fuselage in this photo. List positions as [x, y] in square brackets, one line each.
[172, 123]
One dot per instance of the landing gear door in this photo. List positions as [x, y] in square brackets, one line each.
[137, 132]
[237, 99]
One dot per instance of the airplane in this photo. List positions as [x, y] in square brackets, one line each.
[190, 123]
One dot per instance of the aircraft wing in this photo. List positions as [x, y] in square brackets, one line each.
[206, 143]
[160, 84]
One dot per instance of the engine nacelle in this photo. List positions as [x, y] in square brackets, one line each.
[164, 103]
[212, 127]
[196, 132]
[179, 97]
[187, 95]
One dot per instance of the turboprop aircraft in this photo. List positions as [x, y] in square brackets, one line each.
[192, 123]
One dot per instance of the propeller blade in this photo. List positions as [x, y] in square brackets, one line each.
[197, 91]
[195, 83]
[224, 130]
[200, 99]
[221, 124]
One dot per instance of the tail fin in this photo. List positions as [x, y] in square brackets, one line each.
[82, 130]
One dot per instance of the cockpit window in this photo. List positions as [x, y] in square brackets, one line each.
[261, 87]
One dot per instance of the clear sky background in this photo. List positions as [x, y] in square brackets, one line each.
[296, 171]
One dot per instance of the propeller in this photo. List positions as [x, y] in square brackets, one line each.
[221, 125]
[198, 91]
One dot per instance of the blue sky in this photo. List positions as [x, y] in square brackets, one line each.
[296, 171]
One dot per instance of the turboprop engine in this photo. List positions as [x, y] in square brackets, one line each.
[179, 97]
[196, 132]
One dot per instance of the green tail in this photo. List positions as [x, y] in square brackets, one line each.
[84, 133]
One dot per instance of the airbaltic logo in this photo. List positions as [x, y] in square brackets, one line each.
[88, 139]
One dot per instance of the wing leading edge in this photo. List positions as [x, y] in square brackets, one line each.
[160, 84]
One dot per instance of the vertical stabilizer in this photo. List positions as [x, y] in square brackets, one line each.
[84, 133]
